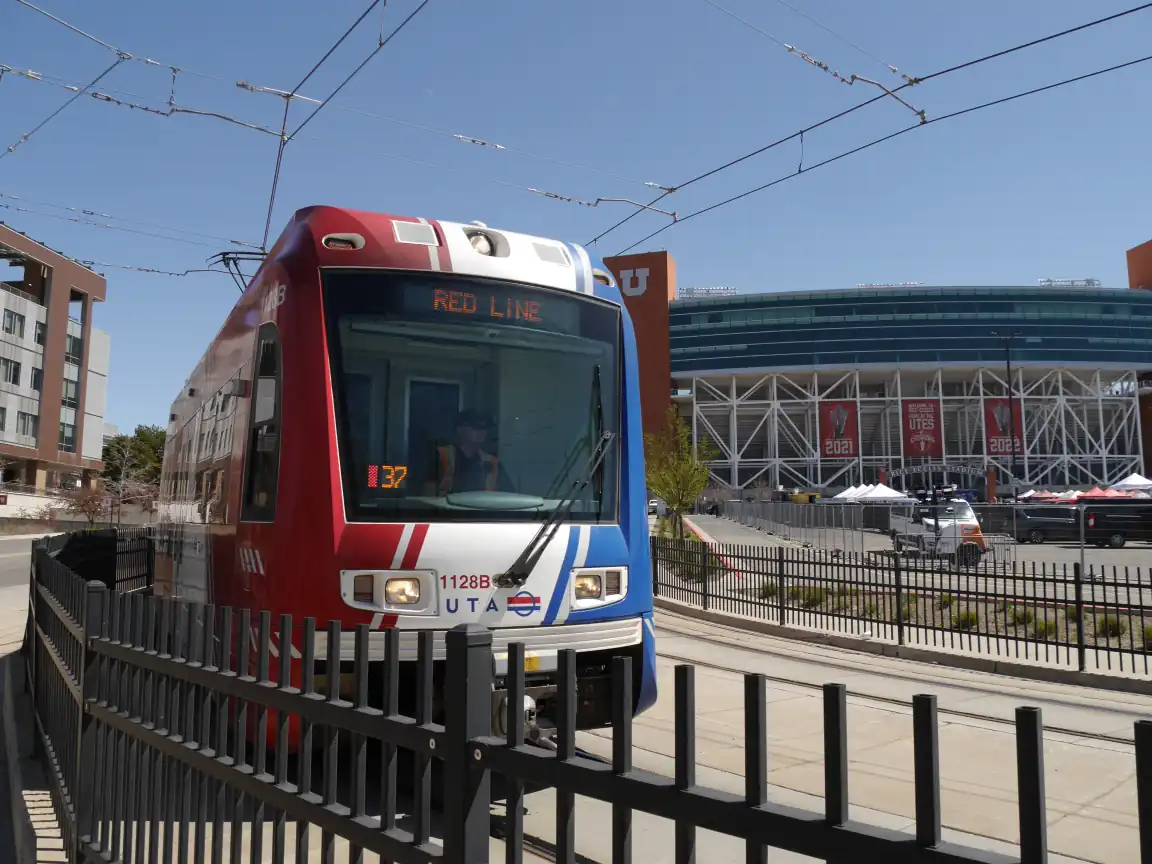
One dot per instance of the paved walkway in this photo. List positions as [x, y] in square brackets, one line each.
[1090, 782]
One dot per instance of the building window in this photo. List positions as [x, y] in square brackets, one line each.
[14, 323]
[27, 424]
[9, 371]
[73, 349]
[37, 379]
[70, 397]
[263, 463]
[38, 333]
[3, 419]
[68, 437]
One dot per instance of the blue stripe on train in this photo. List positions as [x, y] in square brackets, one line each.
[562, 577]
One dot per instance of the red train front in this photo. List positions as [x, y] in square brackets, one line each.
[389, 415]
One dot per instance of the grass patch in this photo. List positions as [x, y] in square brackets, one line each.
[769, 590]
[965, 620]
[1110, 626]
[1022, 615]
[1071, 613]
[1044, 629]
[945, 601]
[813, 596]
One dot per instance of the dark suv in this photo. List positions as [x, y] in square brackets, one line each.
[1042, 523]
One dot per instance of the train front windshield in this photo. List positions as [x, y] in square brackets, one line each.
[463, 399]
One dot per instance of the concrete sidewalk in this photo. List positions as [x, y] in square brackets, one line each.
[1091, 785]
[28, 829]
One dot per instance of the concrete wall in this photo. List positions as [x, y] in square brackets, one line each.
[96, 400]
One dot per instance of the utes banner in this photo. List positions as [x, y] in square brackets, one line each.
[998, 429]
[923, 433]
[839, 431]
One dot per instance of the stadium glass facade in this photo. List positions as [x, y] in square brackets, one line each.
[913, 326]
[762, 376]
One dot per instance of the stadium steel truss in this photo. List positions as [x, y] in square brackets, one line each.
[1081, 426]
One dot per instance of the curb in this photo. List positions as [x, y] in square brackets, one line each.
[23, 834]
[989, 665]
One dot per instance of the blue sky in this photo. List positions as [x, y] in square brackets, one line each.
[653, 90]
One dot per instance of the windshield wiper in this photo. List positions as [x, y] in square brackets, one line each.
[522, 567]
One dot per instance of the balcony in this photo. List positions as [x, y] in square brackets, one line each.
[19, 292]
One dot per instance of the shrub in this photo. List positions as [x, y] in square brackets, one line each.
[1022, 616]
[1044, 629]
[1071, 614]
[965, 620]
[944, 601]
[1148, 638]
[768, 591]
[869, 610]
[1109, 626]
[814, 595]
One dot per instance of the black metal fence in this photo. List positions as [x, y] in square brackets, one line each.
[174, 731]
[1053, 613]
[1090, 531]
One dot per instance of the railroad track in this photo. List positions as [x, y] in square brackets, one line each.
[876, 699]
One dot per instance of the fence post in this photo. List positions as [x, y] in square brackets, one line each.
[92, 616]
[899, 599]
[467, 715]
[705, 558]
[1143, 741]
[653, 552]
[780, 598]
[1081, 651]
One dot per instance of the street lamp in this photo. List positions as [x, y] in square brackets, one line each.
[1007, 339]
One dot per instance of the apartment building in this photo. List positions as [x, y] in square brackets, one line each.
[53, 366]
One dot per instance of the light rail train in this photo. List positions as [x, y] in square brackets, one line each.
[414, 424]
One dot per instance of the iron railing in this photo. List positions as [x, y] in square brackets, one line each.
[1054, 614]
[1091, 532]
[178, 731]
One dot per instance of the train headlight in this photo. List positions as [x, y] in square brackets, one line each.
[402, 592]
[598, 586]
[587, 586]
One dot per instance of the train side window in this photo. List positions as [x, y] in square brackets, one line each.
[263, 462]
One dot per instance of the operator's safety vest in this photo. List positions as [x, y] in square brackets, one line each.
[447, 458]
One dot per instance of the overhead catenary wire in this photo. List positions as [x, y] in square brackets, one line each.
[288, 101]
[836, 35]
[819, 64]
[96, 214]
[91, 222]
[183, 70]
[23, 138]
[798, 134]
[171, 110]
[883, 139]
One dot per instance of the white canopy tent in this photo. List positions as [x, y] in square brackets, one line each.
[847, 493]
[881, 493]
[1133, 483]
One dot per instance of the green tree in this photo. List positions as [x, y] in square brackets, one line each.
[139, 453]
[676, 472]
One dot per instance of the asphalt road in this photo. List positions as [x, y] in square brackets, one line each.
[15, 553]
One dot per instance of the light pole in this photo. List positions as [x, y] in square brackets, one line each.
[1007, 339]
